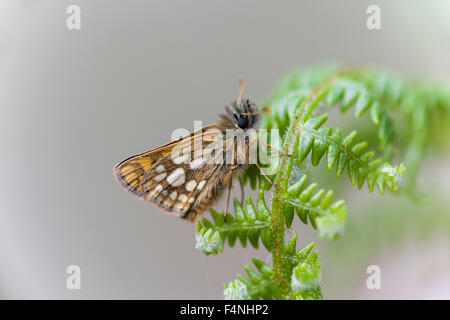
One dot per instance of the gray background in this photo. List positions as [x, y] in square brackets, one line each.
[74, 103]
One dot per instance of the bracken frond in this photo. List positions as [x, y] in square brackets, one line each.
[403, 115]
[326, 216]
[345, 152]
[250, 224]
[261, 284]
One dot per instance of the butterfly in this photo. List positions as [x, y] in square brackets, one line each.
[186, 176]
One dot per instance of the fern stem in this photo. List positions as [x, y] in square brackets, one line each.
[279, 256]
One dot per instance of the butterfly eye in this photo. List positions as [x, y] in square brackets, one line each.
[242, 122]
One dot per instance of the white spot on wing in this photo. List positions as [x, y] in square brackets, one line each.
[176, 178]
[160, 177]
[181, 159]
[160, 168]
[182, 198]
[173, 195]
[191, 185]
[201, 185]
[197, 163]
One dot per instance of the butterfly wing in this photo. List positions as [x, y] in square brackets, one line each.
[130, 171]
[187, 189]
[176, 185]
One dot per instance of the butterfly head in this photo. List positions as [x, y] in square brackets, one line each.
[243, 114]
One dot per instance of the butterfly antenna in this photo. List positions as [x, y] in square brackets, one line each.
[241, 90]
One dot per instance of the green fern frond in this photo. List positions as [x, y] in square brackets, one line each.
[259, 285]
[346, 153]
[423, 104]
[326, 216]
[250, 176]
[236, 290]
[342, 152]
[250, 224]
[411, 109]
[303, 78]
[306, 278]
[338, 91]
[349, 93]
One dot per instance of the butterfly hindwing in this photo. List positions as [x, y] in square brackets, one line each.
[185, 185]
[173, 187]
[173, 179]
[130, 171]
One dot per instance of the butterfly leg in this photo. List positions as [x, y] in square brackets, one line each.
[230, 185]
[270, 147]
[256, 162]
[242, 191]
[262, 172]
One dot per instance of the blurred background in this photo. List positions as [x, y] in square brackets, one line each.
[73, 103]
